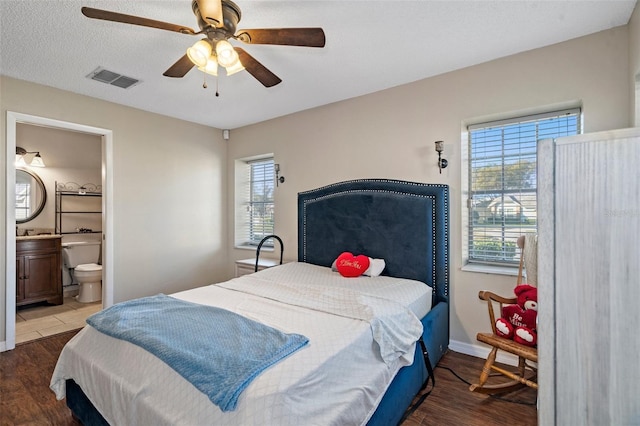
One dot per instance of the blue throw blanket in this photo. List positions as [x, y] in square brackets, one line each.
[218, 351]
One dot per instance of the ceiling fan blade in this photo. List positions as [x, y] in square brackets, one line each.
[256, 69]
[211, 12]
[307, 37]
[106, 15]
[180, 68]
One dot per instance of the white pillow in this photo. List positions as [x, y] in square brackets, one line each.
[376, 266]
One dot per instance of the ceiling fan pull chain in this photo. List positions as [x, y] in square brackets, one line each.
[217, 94]
[204, 80]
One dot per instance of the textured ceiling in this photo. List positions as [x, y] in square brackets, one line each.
[370, 46]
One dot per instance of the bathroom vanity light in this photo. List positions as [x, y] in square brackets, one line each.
[36, 161]
[442, 162]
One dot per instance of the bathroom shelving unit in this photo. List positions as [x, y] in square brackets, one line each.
[77, 203]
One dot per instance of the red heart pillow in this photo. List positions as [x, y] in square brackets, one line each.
[352, 266]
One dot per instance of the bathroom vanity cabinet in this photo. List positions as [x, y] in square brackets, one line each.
[38, 270]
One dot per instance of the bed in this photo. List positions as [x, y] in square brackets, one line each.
[346, 373]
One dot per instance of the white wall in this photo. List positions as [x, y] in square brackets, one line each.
[169, 186]
[634, 64]
[391, 134]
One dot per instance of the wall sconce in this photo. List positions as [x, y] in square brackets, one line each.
[36, 161]
[279, 179]
[442, 162]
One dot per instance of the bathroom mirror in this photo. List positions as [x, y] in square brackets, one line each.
[31, 195]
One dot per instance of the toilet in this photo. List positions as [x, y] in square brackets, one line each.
[81, 259]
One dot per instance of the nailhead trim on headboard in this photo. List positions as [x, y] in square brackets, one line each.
[360, 186]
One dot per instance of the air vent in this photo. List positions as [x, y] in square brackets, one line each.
[109, 77]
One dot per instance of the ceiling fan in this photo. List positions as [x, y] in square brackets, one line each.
[217, 20]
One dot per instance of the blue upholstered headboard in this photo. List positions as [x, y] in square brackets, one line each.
[404, 223]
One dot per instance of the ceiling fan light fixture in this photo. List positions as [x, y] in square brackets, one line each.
[200, 52]
[227, 57]
[237, 67]
[211, 67]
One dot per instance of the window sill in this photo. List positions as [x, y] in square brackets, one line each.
[491, 269]
[254, 248]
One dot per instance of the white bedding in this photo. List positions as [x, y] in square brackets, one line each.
[412, 294]
[337, 379]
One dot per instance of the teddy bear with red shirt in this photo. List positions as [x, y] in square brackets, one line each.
[519, 321]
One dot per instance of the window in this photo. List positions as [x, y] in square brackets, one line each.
[23, 200]
[502, 181]
[254, 202]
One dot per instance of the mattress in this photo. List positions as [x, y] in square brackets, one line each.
[337, 379]
[410, 293]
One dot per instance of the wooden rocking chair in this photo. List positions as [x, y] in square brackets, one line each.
[526, 374]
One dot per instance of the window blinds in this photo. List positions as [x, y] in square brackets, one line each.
[502, 200]
[260, 205]
[23, 200]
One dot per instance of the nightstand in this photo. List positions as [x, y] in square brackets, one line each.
[248, 266]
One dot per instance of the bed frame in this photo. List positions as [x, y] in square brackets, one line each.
[404, 223]
[407, 225]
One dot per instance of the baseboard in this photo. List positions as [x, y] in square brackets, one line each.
[482, 351]
[3, 346]
[70, 291]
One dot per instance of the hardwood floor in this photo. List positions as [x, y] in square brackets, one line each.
[26, 399]
[451, 402]
[25, 373]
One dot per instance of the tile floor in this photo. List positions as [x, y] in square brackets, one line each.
[39, 321]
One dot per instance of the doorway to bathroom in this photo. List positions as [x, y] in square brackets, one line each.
[77, 158]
